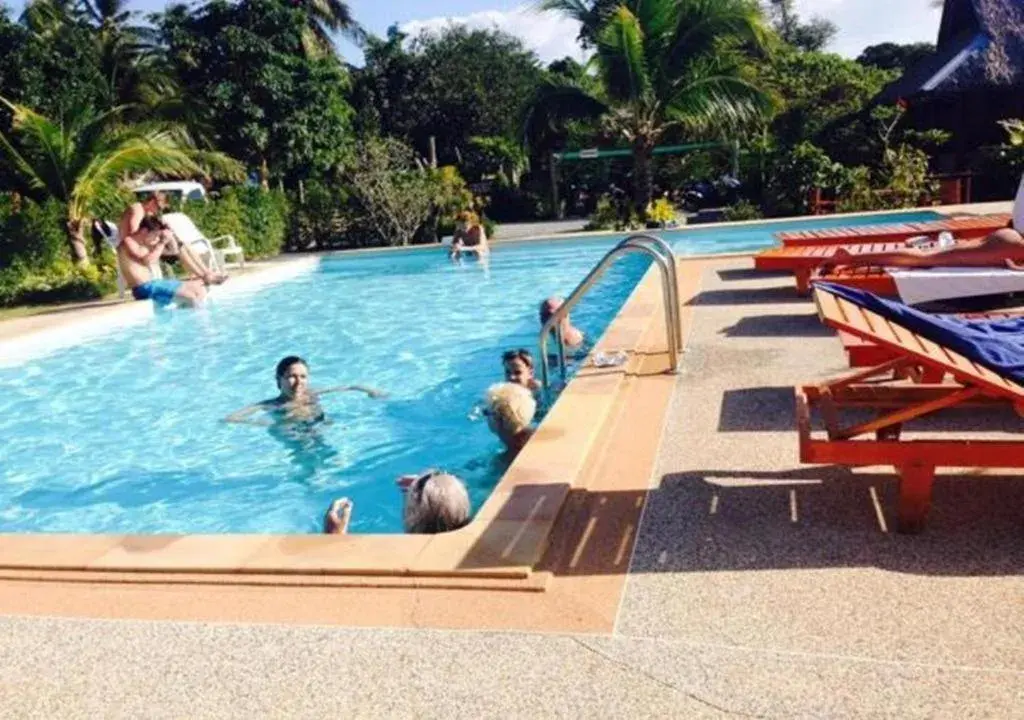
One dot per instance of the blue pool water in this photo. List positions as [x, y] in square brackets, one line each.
[124, 434]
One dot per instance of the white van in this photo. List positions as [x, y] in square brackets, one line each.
[174, 190]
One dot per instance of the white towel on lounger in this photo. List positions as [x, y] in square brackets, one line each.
[918, 286]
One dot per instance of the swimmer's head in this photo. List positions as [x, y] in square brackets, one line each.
[510, 410]
[154, 203]
[518, 366]
[549, 307]
[435, 502]
[292, 375]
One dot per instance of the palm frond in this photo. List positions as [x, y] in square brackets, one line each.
[553, 105]
[703, 24]
[621, 57]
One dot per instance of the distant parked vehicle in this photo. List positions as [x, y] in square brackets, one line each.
[174, 190]
[704, 194]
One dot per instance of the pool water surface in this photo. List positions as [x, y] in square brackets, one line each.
[125, 433]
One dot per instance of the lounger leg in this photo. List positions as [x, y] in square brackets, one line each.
[803, 281]
[915, 496]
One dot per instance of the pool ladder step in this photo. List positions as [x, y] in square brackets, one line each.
[663, 257]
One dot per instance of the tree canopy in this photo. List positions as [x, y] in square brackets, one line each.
[893, 56]
[268, 103]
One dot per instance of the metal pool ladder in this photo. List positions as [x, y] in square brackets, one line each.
[662, 255]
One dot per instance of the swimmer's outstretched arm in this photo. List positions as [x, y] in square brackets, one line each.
[370, 392]
[244, 416]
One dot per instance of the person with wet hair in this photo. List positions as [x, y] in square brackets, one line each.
[435, 502]
[572, 336]
[510, 410]
[519, 369]
[296, 401]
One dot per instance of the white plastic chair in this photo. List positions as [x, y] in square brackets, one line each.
[218, 248]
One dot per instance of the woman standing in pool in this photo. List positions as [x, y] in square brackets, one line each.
[469, 236]
[297, 402]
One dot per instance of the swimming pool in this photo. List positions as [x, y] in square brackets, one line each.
[124, 433]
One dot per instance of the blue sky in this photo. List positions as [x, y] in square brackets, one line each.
[861, 22]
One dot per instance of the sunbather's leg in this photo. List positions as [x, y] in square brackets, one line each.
[195, 266]
[1001, 248]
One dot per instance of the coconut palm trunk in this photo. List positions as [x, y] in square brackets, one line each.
[643, 175]
[76, 239]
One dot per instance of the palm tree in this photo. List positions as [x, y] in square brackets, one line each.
[83, 159]
[590, 15]
[324, 17]
[127, 51]
[664, 65]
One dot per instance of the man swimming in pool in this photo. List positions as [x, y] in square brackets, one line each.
[143, 240]
[296, 401]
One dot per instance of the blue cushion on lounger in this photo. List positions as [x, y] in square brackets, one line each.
[996, 344]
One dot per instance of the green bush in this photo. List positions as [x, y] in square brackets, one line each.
[794, 173]
[605, 215]
[35, 236]
[257, 219]
[320, 220]
[742, 210]
[60, 282]
[264, 219]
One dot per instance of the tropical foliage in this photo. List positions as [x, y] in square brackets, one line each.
[301, 151]
[664, 65]
[81, 159]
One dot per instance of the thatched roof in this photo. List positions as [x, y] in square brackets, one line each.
[980, 45]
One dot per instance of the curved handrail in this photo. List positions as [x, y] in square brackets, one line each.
[670, 258]
[664, 258]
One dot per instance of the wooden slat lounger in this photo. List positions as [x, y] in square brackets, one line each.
[915, 461]
[864, 353]
[967, 228]
[803, 262]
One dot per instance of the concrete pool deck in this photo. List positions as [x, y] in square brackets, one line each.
[758, 586]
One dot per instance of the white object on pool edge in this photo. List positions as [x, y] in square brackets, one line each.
[603, 360]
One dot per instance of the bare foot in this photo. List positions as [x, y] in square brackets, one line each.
[337, 518]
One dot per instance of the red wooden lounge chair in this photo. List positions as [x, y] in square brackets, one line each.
[864, 353]
[968, 228]
[803, 262]
[915, 461]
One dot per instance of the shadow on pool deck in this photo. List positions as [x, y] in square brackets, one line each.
[797, 325]
[748, 296]
[826, 517]
[805, 517]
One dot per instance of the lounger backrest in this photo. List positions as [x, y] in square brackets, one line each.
[109, 232]
[183, 227]
[844, 315]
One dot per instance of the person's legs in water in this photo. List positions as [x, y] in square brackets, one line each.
[191, 293]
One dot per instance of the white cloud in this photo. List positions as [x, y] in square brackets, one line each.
[869, 22]
[547, 34]
[861, 23]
